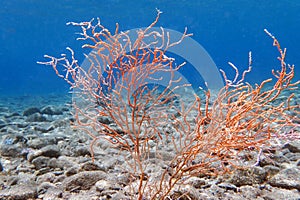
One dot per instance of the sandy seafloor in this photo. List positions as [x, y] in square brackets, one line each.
[42, 157]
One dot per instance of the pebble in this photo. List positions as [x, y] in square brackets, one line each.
[103, 185]
[83, 180]
[279, 193]
[31, 111]
[293, 146]
[251, 176]
[51, 110]
[288, 178]
[19, 192]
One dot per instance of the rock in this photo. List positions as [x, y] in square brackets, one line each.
[271, 170]
[288, 178]
[38, 143]
[26, 179]
[62, 162]
[82, 151]
[30, 111]
[105, 120]
[121, 179]
[109, 163]
[276, 159]
[48, 177]
[293, 156]
[44, 128]
[42, 171]
[166, 156]
[120, 196]
[10, 180]
[207, 196]
[279, 193]
[62, 122]
[107, 194]
[254, 175]
[103, 185]
[59, 179]
[47, 151]
[13, 150]
[19, 192]
[228, 186]
[21, 124]
[83, 180]
[36, 117]
[84, 195]
[71, 171]
[196, 182]
[216, 191]
[50, 151]
[2, 123]
[51, 110]
[250, 192]
[10, 115]
[90, 166]
[293, 146]
[3, 109]
[40, 162]
[52, 193]
[14, 138]
[25, 167]
[43, 187]
[234, 196]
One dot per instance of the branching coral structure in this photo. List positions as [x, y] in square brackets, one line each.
[114, 101]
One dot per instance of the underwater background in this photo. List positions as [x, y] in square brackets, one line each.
[227, 29]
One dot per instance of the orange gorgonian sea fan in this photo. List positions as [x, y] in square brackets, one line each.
[114, 101]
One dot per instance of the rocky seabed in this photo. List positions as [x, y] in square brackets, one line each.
[42, 157]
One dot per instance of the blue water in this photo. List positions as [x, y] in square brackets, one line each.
[227, 29]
